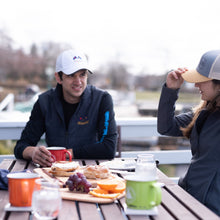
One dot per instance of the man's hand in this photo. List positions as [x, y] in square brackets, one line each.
[39, 155]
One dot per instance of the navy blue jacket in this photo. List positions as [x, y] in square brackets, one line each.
[202, 180]
[91, 132]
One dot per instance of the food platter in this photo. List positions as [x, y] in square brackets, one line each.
[76, 196]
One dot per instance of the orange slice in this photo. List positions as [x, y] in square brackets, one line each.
[120, 188]
[107, 184]
[106, 196]
[102, 191]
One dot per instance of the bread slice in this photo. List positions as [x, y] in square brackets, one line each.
[96, 172]
[61, 173]
[64, 168]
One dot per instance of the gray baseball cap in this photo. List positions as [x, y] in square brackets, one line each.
[208, 68]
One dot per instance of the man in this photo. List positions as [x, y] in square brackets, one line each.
[74, 115]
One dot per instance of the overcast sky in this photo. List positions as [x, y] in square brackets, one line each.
[149, 35]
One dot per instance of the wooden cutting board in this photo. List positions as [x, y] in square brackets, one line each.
[84, 197]
[68, 195]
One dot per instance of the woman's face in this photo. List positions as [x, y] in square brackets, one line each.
[208, 90]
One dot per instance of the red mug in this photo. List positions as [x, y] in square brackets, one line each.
[20, 187]
[59, 153]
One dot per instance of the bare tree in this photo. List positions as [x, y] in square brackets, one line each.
[117, 75]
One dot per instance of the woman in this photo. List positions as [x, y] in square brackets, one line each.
[201, 126]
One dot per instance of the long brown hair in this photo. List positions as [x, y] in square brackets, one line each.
[211, 106]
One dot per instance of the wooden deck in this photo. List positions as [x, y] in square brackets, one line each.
[176, 203]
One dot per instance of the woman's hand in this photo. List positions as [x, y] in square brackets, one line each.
[174, 78]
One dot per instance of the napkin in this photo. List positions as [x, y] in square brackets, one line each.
[4, 178]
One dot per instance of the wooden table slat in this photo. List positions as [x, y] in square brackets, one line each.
[111, 211]
[192, 204]
[19, 215]
[88, 211]
[3, 202]
[164, 215]
[90, 162]
[101, 161]
[171, 204]
[6, 164]
[139, 217]
[31, 166]
[19, 165]
[68, 209]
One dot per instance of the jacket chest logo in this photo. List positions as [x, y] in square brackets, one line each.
[83, 121]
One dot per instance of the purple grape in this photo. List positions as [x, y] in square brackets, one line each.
[73, 177]
[86, 190]
[88, 185]
[78, 182]
[80, 175]
[83, 181]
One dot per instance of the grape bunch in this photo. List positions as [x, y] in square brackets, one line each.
[78, 182]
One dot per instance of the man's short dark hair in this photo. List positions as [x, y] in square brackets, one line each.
[60, 75]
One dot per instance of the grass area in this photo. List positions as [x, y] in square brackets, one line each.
[169, 170]
[7, 147]
[155, 96]
[147, 95]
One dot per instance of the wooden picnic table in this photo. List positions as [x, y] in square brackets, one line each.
[176, 203]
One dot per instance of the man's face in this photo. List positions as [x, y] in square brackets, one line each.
[74, 85]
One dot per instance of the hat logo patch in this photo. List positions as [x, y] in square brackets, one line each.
[77, 58]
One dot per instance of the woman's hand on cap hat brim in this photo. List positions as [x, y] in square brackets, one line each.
[174, 78]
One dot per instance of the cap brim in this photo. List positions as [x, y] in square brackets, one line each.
[193, 76]
[69, 72]
[81, 69]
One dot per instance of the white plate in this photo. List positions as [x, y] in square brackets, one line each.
[10, 208]
[120, 164]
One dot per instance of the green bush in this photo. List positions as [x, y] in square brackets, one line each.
[169, 170]
[7, 147]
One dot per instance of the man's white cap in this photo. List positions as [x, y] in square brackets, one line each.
[71, 61]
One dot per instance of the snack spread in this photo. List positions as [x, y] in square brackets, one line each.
[107, 186]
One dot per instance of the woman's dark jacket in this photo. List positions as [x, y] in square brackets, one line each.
[202, 179]
[91, 132]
